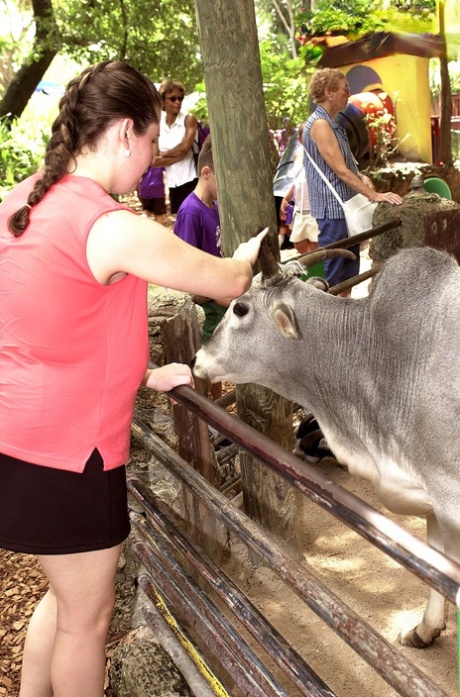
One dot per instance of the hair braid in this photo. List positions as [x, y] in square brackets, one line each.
[91, 103]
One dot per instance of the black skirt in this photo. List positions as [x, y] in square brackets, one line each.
[49, 511]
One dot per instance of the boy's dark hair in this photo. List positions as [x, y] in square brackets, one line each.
[205, 156]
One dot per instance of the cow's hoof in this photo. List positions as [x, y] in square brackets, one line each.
[414, 640]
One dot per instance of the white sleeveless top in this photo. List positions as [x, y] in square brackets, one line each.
[183, 171]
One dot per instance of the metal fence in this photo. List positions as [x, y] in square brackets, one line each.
[174, 561]
[162, 535]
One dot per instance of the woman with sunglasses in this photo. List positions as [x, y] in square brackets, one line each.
[177, 133]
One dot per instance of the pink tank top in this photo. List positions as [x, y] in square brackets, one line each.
[73, 352]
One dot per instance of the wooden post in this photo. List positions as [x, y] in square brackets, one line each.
[238, 123]
[445, 154]
[173, 317]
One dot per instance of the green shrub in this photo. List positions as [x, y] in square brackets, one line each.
[21, 154]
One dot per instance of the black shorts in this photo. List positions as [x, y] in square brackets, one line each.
[177, 194]
[49, 511]
[157, 206]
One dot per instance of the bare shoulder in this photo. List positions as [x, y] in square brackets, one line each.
[191, 120]
[116, 238]
[116, 225]
[320, 129]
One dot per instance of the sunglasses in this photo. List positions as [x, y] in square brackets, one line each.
[175, 99]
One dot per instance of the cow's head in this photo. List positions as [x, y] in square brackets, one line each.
[256, 334]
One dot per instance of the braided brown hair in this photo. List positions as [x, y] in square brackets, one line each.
[101, 95]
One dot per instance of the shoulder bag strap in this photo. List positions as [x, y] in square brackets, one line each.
[323, 176]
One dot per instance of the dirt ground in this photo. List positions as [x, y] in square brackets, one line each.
[383, 593]
[22, 585]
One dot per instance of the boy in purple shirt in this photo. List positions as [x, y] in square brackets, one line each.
[198, 223]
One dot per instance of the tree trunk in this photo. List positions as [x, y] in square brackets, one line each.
[22, 86]
[445, 149]
[238, 122]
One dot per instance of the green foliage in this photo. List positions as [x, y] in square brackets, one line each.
[285, 87]
[158, 37]
[435, 79]
[356, 18]
[23, 148]
[412, 20]
[284, 84]
[349, 17]
[200, 108]
[415, 7]
[454, 72]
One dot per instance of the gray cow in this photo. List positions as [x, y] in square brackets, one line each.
[380, 374]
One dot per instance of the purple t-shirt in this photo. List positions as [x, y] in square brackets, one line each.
[199, 225]
[151, 184]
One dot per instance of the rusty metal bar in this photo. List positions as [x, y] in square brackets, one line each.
[346, 242]
[351, 282]
[160, 609]
[250, 617]
[380, 654]
[191, 663]
[227, 399]
[426, 563]
[201, 613]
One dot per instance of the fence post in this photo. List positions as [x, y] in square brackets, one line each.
[174, 324]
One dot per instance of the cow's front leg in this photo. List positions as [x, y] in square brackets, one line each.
[434, 617]
[431, 626]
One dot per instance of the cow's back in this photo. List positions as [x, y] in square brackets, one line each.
[412, 368]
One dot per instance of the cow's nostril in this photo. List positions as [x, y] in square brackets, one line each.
[192, 362]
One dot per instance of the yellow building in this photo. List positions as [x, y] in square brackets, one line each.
[396, 64]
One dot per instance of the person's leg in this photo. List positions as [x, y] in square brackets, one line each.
[146, 204]
[338, 269]
[65, 645]
[283, 228]
[159, 210]
[305, 246]
[38, 649]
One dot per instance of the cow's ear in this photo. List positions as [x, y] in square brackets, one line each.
[284, 318]
[318, 282]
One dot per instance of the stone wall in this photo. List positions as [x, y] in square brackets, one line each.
[418, 213]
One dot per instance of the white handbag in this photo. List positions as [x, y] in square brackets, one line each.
[358, 210]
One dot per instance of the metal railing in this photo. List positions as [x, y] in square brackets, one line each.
[426, 563]
[163, 543]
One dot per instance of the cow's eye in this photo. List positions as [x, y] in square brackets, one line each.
[240, 309]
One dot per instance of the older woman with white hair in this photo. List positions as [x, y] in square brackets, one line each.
[326, 143]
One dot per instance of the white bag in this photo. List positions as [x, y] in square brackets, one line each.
[359, 212]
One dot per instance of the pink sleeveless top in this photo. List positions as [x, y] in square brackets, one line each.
[73, 352]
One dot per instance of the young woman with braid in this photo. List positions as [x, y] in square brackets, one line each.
[73, 352]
